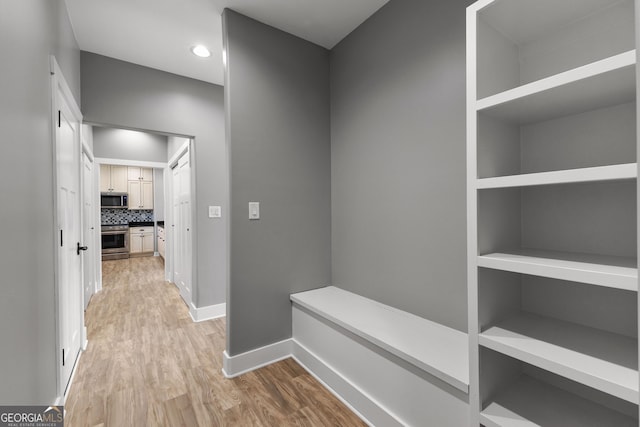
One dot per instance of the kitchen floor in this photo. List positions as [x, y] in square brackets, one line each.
[149, 364]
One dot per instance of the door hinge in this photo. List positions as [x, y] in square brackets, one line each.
[61, 241]
[59, 118]
[63, 357]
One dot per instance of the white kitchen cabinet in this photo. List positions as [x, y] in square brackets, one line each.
[135, 173]
[551, 199]
[140, 195]
[113, 178]
[141, 241]
[161, 243]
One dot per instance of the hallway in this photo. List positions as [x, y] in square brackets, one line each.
[149, 364]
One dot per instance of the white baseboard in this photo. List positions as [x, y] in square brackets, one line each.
[347, 392]
[60, 400]
[85, 340]
[199, 314]
[232, 366]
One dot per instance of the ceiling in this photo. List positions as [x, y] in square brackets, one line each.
[159, 33]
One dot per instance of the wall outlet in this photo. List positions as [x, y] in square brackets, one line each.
[254, 210]
[215, 211]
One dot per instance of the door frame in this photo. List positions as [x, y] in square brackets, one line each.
[58, 82]
[91, 239]
[185, 149]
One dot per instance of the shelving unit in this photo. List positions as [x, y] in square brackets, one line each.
[572, 176]
[609, 271]
[552, 212]
[589, 356]
[600, 84]
[547, 405]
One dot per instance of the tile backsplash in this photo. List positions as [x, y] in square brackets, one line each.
[124, 216]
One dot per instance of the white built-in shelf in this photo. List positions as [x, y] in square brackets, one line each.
[600, 173]
[607, 82]
[532, 403]
[521, 21]
[437, 349]
[608, 271]
[602, 360]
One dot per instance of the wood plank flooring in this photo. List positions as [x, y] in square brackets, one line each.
[149, 364]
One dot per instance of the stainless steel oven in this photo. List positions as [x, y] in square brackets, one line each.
[115, 241]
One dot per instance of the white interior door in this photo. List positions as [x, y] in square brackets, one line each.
[185, 224]
[89, 256]
[68, 207]
[175, 207]
[182, 228]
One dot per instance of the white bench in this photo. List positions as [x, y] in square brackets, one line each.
[390, 366]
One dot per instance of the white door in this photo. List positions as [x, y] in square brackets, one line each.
[68, 198]
[185, 224]
[182, 231]
[89, 255]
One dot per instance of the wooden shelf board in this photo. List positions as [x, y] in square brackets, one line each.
[432, 347]
[600, 173]
[602, 360]
[531, 403]
[610, 81]
[608, 271]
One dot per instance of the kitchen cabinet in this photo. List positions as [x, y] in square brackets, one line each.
[140, 187]
[141, 241]
[135, 173]
[113, 178]
[140, 195]
[162, 242]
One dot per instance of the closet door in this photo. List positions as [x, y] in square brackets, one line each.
[182, 227]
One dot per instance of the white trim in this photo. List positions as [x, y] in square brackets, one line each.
[60, 90]
[340, 387]
[87, 150]
[232, 366]
[173, 161]
[199, 314]
[85, 342]
[60, 400]
[122, 162]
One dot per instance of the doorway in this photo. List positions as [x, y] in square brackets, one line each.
[67, 121]
[134, 171]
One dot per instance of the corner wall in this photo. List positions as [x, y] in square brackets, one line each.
[122, 94]
[30, 31]
[398, 162]
[277, 106]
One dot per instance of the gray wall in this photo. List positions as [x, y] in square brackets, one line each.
[277, 105]
[174, 143]
[29, 32]
[398, 159]
[122, 94]
[126, 144]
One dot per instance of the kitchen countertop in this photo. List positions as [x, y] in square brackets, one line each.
[141, 224]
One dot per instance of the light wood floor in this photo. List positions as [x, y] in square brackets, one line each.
[149, 364]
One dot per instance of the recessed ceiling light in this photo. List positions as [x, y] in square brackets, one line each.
[201, 51]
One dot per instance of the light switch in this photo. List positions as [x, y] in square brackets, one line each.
[215, 211]
[254, 210]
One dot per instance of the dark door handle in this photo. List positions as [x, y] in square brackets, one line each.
[80, 248]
